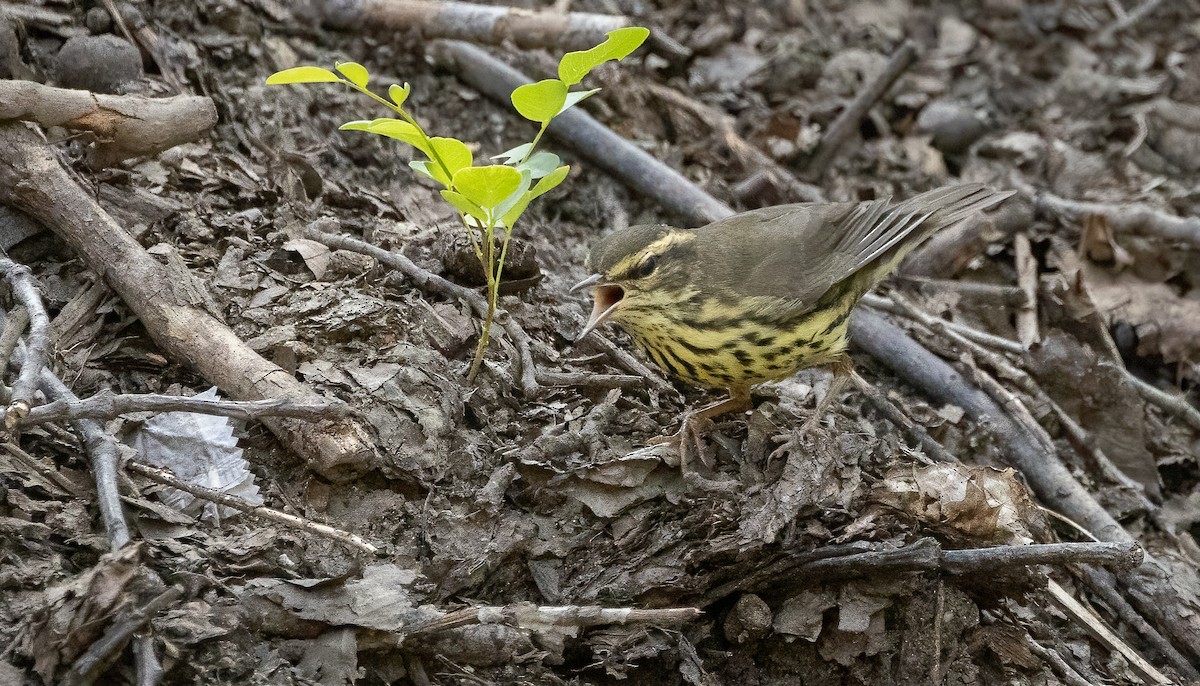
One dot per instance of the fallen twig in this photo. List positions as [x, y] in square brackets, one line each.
[1060, 667]
[923, 555]
[170, 304]
[490, 24]
[540, 616]
[37, 343]
[126, 125]
[851, 118]
[1027, 280]
[927, 555]
[1102, 583]
[102, 452]
[896, 416]
[1099, 631]
[975, 290]
[107, 649]
[1079, 437]
[1124, 22]
[1170, 403]
[584, 379]
[939, 325]
[430, 282]
[577, 129]
[1136, 218]
[107, 405]
[165, 477]
[749, 156]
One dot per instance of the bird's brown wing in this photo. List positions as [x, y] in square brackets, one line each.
[800, 251]
[789, 251]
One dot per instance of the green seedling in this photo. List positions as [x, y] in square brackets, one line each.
[487, 197]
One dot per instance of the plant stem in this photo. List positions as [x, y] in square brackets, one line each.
[493, 285]
[533, 145]
[433, 153]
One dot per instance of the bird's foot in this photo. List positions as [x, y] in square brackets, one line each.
[690, 444]
[798, 439]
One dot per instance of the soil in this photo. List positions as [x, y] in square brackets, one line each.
[484, 495]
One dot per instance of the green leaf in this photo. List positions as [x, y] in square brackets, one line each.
[540, 101]
[453, 153]
[399, 94]
[576, 97]
[550, 181]
[355, 72]
[356, 125]
[487, 186]
[514, 213]
[425, 168]
[515, 155]
[575, 65]
[398, 129]
[465, 206]
[512, 200]
[302, 75]
[540, 164]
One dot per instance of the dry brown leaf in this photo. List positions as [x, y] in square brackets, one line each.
[980, 503]
[1166, 323]
[77, 612]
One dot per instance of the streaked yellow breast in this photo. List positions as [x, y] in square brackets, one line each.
[718, 345]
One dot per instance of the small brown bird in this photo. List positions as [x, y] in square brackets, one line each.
[760, 295]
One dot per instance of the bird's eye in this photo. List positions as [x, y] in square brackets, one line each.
[646, 268]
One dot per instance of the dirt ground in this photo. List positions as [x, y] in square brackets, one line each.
[825, 561]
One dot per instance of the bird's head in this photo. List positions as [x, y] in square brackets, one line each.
[632, 268]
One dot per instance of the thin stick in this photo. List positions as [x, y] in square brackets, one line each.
[1027, 280]
[1099, 631]
[937, 324]
[88, 666]
[897, 417]
[165, 477]
[432, 283]
[851, 118]
[106, 405]
[1101, 583]
[1136, 218]
[102, 452]
[37, 343]
[1172, 404]
[1140, 12]
[537, 617]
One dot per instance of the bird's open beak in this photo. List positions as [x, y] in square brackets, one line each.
[605, 298]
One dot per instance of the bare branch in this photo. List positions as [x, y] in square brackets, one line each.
[166, 478]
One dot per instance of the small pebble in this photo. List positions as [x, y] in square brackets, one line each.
[101, 64]
[954, 126]
[98, 21]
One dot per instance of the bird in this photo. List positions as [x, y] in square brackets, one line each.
[760, 295]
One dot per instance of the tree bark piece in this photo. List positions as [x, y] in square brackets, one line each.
[128, 126]
[490, 25]
[33, 181]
